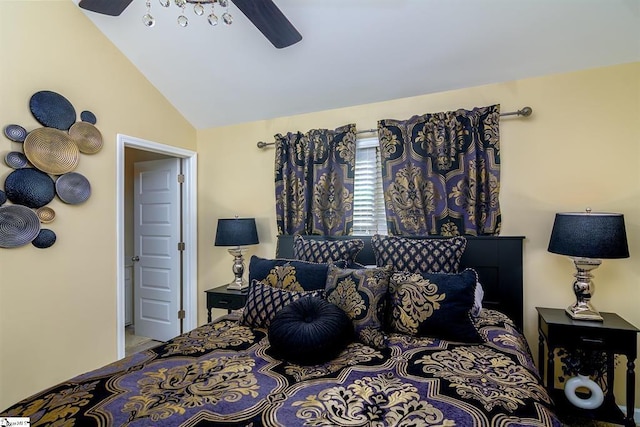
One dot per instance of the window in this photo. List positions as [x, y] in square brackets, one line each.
[368, 199]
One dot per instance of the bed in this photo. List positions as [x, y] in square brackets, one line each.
[238, 371]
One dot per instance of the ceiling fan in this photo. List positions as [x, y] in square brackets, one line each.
[264, 14]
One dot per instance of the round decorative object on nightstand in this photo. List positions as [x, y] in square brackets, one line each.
[592, 402]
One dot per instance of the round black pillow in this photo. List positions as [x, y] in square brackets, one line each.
[309, 331]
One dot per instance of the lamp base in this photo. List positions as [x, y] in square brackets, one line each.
[243, 285]
[583, 312]
[583, 287]
[238, 284]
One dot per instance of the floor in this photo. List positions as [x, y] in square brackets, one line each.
[136, 343]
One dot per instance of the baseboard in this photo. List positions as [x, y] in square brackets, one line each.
[636, 414]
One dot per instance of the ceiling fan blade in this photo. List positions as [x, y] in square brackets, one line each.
[106, 7]
[266, 16]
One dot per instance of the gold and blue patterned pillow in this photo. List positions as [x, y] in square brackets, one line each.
[419, 255]
[362, 294]
[434, 305]
[264, 301]
[325, 251]
[293, 275]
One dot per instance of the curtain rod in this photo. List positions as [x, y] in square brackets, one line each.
[524, 112]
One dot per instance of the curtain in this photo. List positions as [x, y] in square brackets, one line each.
[314, 174]
[441, 173]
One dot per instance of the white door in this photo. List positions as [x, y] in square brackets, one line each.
[157, 234]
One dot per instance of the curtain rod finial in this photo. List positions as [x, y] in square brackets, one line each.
[526, 111]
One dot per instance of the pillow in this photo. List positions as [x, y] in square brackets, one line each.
[419, 255]
[289, 274]
[362, 294]
[327, 250]
[309, 331]
[434, 305]
[264, 301]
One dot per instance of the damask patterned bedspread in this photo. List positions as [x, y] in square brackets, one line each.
[222, 374]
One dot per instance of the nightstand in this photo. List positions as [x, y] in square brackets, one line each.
[612, 336]
[228, 299]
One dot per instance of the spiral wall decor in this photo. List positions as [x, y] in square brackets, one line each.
[44, 169]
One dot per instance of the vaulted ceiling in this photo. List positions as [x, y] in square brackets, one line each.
[360, 51]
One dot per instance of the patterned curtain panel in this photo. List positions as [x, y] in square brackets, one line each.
[314, 181]
[441, 173]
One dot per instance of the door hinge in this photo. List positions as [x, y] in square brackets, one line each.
[181, 178]
[181, 246]
[181, 314]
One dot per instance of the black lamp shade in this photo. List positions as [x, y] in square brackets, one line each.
[236, 232]
[589, 235]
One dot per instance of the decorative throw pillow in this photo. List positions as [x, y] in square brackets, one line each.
[434, 304]
[309, 331]
[419, 255]
[327, 250]
[264, 301]
[362, 294]
[293, 275]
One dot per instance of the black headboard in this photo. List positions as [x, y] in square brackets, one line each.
[498, 261]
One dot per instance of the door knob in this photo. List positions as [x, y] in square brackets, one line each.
[135, 258]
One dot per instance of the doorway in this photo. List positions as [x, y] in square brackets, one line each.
[129, 149]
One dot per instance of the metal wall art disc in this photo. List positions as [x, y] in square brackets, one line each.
[51, 150]
[29, 187]
[19, 225]
[45, 239]
[87, 137]
[52, 110]
[46, 214]
[16, 133]
[16, 160]
[73, 188]
[89, 117]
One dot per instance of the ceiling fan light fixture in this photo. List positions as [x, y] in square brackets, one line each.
[147, 19]
[198, 10]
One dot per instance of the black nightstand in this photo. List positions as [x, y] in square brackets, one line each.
[613, 336]
[221, 297]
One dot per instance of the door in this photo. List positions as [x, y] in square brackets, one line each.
[157, 272]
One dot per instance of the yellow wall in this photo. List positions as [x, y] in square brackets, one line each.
[580, 148]
[58, 305]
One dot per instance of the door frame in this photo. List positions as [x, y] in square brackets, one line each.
[190, 237]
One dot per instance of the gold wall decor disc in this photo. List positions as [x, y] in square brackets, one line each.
[51, 150]
[46, 214]
[86, 136]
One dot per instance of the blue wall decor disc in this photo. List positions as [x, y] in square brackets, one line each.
[45, 238]
[52, 110]
[29, 187]
[88, 116]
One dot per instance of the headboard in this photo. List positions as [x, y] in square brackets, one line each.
[498, 261]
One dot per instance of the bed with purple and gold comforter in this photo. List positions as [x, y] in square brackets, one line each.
[223, 374]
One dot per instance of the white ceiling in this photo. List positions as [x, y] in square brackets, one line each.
[360, 51]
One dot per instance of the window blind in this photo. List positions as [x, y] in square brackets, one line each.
[368, 200]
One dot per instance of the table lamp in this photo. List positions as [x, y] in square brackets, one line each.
[237, 232]
[587, 237]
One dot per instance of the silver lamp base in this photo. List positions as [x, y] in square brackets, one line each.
[584, 288]
[235, 286]
[583, 312]
[238, 284]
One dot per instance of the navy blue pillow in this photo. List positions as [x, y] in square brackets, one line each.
[309, 331]
[435, 305]
[292, 275]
